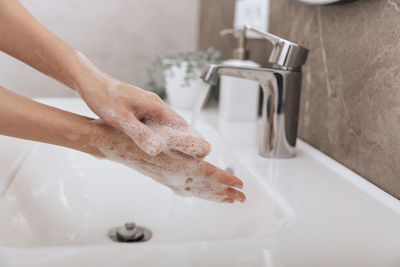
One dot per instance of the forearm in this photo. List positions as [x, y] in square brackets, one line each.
[26, 39]
[121, 105]
[23, 118]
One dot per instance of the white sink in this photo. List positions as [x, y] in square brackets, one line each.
[59, 205]
[60, 199]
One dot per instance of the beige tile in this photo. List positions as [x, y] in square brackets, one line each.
[350, 105]
[120, 36]
[217, 15]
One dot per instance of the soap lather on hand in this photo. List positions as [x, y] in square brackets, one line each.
[186, 175]
[137, 128]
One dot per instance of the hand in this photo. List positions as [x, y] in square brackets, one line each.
[185, 175]
[125, 107]
[131, 110]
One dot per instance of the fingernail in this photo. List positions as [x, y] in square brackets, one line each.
[242, 198]
[205, 150]
[239, 184]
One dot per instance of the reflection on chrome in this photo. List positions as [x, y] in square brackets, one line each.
[281, 85]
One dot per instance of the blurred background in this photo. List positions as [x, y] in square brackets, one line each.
[123, 36]
[119, 36]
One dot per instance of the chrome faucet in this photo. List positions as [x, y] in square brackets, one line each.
[281, 85]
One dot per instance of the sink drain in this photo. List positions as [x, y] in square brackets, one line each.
[130, 233]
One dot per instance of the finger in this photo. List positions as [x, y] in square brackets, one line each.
[181, 138]
[142, 135]
[179, 192]
[170, 116]
[233, 194]
[179, 134]
[228, 200]
[189, 145]
[228, 195]
[222, 177]
[155, 108]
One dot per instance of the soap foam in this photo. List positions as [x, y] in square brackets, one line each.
[74, 136]
[149, 143]
[169, 135]
[171, 168]
[176, 136]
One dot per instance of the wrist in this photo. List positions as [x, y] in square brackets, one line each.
[86, 76]
[87, 136]
[96, 135]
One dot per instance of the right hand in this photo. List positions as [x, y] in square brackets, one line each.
[130, 109]
[185, 175]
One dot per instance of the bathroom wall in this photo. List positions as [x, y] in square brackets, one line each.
[350, 105]
[119, 36]
[216, 16]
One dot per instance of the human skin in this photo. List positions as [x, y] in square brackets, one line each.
[186, 175]
[121, 105]
[153, 138]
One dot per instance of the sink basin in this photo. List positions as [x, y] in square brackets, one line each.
[63, 197]
[60, 198]
[58, 206]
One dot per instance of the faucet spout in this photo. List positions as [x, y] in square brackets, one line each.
[212, 73]
[281, 97]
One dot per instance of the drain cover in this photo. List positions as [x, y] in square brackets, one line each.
[129, 233]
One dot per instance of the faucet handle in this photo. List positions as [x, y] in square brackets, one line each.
[285, 54]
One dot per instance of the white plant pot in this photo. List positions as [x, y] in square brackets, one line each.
[180, 94]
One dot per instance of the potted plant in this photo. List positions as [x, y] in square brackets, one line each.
[178, 76]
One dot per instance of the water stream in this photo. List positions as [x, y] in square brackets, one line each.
[204, 88]
[201, 97]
